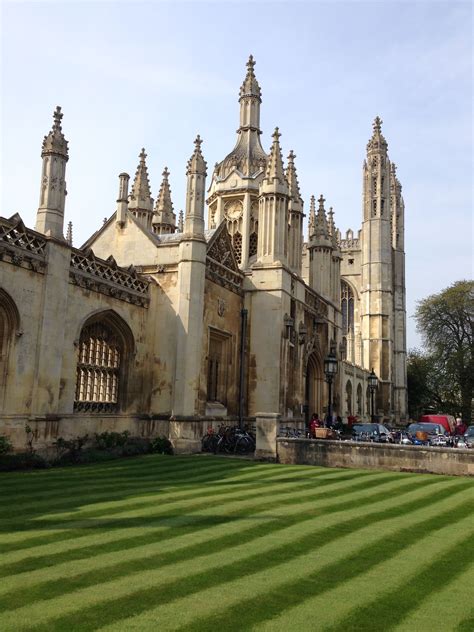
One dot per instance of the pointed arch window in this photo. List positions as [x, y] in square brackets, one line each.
[100, 372]
[359, 399]
[347, 308]
[349, 397]
[9, 325]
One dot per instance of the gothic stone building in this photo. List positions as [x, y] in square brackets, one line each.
[159, 326]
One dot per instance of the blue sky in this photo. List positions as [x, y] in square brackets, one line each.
[155, 74]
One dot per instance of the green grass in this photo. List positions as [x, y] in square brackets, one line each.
[205, 543]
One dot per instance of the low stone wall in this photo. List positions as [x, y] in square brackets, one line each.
[398, 458]
[184, 434]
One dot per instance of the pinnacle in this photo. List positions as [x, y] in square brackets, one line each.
[321, 201]
[275, 161]
[197, 164]
[140, 197]
[292, 178]
[163, 201]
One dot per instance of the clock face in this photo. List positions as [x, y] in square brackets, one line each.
[233, 209]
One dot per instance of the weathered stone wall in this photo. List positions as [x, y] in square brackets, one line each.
[376, 456]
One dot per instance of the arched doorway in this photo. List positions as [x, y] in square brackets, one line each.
[315, 387]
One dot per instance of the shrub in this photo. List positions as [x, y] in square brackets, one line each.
[161, 445]
[22, 461]
[5, 445]
[69, 450]
[111, 440]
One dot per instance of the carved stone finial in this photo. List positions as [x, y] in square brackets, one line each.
[377, 124]
[250, 87]
[321, 201]
[181, 222]
[69, 233]
[54, 142]
[197, 164]
[164, 220]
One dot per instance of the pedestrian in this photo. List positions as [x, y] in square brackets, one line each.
[315, 423]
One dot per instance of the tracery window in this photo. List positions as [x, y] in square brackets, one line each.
[98, 369]
[253, 243]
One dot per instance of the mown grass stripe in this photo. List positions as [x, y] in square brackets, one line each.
[446, 566]
[114, 596]
[127, 518]
[162, 554]
[50, 533]
[325, 489]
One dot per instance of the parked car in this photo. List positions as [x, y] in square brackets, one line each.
[469, 437]
[371, 432]
[447, 421]
[425, 433]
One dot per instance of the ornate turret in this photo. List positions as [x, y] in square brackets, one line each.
[247, 156]
[50, 216]
[140, 200]
[273, 208]
[164, 220]
[295, 216]
[195, 194]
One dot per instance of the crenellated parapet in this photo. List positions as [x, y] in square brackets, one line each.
[22, 246]
[106, 277]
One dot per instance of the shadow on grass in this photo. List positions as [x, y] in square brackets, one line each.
[269, 604]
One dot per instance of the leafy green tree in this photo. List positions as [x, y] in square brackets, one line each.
[446, 322]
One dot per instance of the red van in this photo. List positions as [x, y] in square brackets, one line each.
[447, 421]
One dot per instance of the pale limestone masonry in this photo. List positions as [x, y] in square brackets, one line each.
[141, 328]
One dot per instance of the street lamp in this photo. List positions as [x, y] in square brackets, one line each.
[373, 383]
[330, 370]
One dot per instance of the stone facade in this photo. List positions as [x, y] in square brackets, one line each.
[158, 325]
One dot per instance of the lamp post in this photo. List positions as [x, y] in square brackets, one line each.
[330, 370]
[373, 383]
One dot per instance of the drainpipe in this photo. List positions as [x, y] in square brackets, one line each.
[243, 335]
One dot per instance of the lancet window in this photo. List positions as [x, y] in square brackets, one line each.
[347, 309]
[98, 369]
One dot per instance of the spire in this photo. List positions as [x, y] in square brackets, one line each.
[140, 197]
[250, 87]
[164, 220]
[312, 217]
[275, 162]
[54, 142]
[197, 164]
[377, 142]
[248, 156]
[292, 178]
[69, 233]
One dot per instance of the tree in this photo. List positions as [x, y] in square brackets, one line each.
[446, 322]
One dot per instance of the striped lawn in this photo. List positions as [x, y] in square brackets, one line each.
[204, 543]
